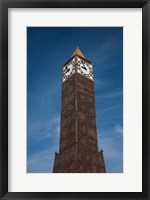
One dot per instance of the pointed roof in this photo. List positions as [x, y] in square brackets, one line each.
[78, 52]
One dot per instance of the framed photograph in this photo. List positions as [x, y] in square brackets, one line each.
[74, 99]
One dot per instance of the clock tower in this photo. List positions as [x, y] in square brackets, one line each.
[78, 148]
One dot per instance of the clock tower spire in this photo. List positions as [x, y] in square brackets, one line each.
[78, 53]
[78, 148]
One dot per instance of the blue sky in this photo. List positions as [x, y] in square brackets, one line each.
[48, 48]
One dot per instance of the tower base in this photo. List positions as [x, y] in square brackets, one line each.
[79, 160]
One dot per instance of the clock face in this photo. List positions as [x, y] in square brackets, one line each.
[68, 70]
[85, 68]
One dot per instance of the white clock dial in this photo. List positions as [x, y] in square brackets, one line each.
[68, 70]
[85, 68]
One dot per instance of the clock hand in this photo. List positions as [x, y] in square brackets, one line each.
[84, 68]
[67, 70]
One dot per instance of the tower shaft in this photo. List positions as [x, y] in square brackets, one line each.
[78, 133]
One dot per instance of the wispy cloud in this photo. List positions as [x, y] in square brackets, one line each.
[42, 130]
[42, 162]
[99, 83]
[111, 132]
[111, 142]
[43, 133]
[104, 51]
[119, 129]
[110, 108]
[111, 95]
